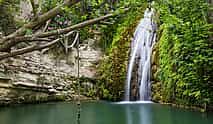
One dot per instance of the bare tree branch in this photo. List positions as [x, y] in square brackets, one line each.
[40, 20]
[106, 23]
[73, 27]
[27, 49]
[16, 40]
[42, 37]
[46, 25]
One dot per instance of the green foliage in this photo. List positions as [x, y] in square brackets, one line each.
[186, 54]
[28, 31]
[112, 34]
[112, 70]
[49, 4]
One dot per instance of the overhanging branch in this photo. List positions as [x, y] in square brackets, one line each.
[18, 39]
[27, 49]
[40, 20]
[73, 27]
[44, 37]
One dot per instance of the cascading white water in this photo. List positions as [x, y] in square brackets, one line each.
[141, 48]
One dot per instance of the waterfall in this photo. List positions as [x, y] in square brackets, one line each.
[141, 50]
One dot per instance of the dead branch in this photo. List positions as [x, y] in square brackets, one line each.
[7, 45]
[47, 24]
[27, 49]
[73, 27]
[40, 20]
[41, 36]
[105, 23]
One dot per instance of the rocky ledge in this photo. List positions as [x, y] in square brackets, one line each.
[42, 76]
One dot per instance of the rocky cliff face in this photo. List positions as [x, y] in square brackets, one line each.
[40, 76]
[43, 75]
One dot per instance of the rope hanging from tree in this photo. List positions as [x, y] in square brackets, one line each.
[67, 46]
[64, 40]
[78, 102]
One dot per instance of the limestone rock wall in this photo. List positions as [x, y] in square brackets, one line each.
[42, 77]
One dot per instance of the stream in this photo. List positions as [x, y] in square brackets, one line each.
[101, 113]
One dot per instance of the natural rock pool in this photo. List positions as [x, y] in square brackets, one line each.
[101, 113]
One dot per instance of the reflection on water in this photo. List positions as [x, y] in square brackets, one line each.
[128, 115]
[38, 114]
[101, 113]
[143, 114]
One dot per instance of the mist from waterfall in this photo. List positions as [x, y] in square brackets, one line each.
[141, 51]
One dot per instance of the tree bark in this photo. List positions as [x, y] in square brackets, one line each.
[27, 49]
[40, 20]
[7, 45]
[43, 37]
[70, 28]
